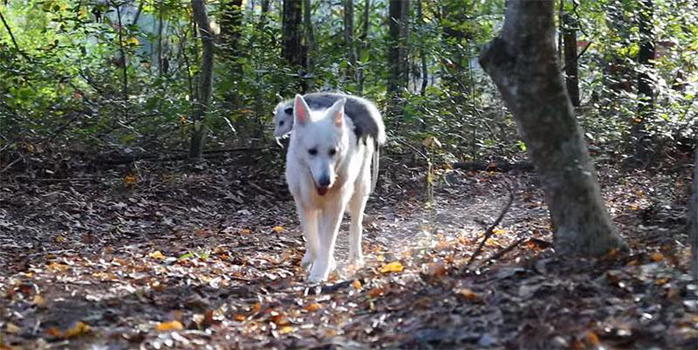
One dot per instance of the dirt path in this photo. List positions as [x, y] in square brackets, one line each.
[211, 260]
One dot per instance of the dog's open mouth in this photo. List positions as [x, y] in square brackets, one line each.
[322, 190]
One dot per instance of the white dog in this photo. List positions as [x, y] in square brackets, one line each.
[328, 167]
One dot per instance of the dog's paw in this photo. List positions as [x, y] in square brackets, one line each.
[318, 273]
[356, 261]
[307, 260]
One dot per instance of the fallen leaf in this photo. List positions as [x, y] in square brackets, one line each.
[375, 292]
[12, 328]
[57, 267]
[157, 255]
[436, 269]
[312, 307]
[286, 330]
[278, 229]
[130, 180]
[356, 284]
[280, 320]
[80, 328]
[239, 317]
[245, 231]
[468, 294]
[169, 326]
[592, 338]
[656, 256]
[394, 266]
[39, 300]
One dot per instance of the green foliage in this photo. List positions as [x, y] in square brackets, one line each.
[81, 80]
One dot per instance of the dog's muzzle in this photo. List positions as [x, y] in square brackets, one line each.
[323, 185]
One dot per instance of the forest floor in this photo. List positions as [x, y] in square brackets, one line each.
[156, 257]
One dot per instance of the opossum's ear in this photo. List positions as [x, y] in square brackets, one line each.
[301, 111]
[337, 112]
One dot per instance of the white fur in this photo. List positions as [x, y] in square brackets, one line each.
[349, 174]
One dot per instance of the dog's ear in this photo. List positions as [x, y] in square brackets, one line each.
[337, 111]
[301, 111]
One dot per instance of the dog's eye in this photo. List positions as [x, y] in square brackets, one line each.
[312, 151]
[332, 152]
[281, 123]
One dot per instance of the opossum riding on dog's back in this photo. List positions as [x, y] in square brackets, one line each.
[328, 168]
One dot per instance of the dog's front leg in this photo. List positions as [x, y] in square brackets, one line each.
[330, 218]
[309, 225]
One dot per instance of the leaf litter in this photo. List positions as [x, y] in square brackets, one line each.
[187, 259]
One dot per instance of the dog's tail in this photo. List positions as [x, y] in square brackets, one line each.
[375, 164]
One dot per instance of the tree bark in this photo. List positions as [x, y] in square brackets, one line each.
[398, 13]
[641, 138]
[230, 50]
[693, 221]
[308, 42]
[523, 64]
[571, 67]
[198, 136]
[364, 43]
[349, 38]
[422, 52]
[292, 46]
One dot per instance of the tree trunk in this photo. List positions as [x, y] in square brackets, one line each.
[398, 18]
[364, 43]
[571, 66]
[422, 51]
[693, 221]
[230, 50]
[397, 51]
[292, 47]
[349, 39]
[198, 137]
[523, 64]
[308, 42]
[639, 134]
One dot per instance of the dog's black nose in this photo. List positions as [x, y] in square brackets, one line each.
[324, 181]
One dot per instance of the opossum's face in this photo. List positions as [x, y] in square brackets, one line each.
[321, 141]
[283, 119]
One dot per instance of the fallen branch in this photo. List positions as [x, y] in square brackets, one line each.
[503, 251]
[490, 230]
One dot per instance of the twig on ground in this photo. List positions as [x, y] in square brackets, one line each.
[490, 230]
[503, 251]
[260, 189]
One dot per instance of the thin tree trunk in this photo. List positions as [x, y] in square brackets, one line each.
[160, 26]
[422, 51]
[364, 44]
[309, 42]
[230, 50]
[349, 38]
[571, 66]
[398, 78]
[693, 221]
[397, 52]
[641, 138]
[124, 60]
[523, 64]
[292, 47]
[205, 79]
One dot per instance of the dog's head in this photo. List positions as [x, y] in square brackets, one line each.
[283, 119]
[321, 140]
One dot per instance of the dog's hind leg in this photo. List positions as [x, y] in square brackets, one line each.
[356, 210]
[330, 218]
[309, 225]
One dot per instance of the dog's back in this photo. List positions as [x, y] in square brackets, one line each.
[365, 116]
